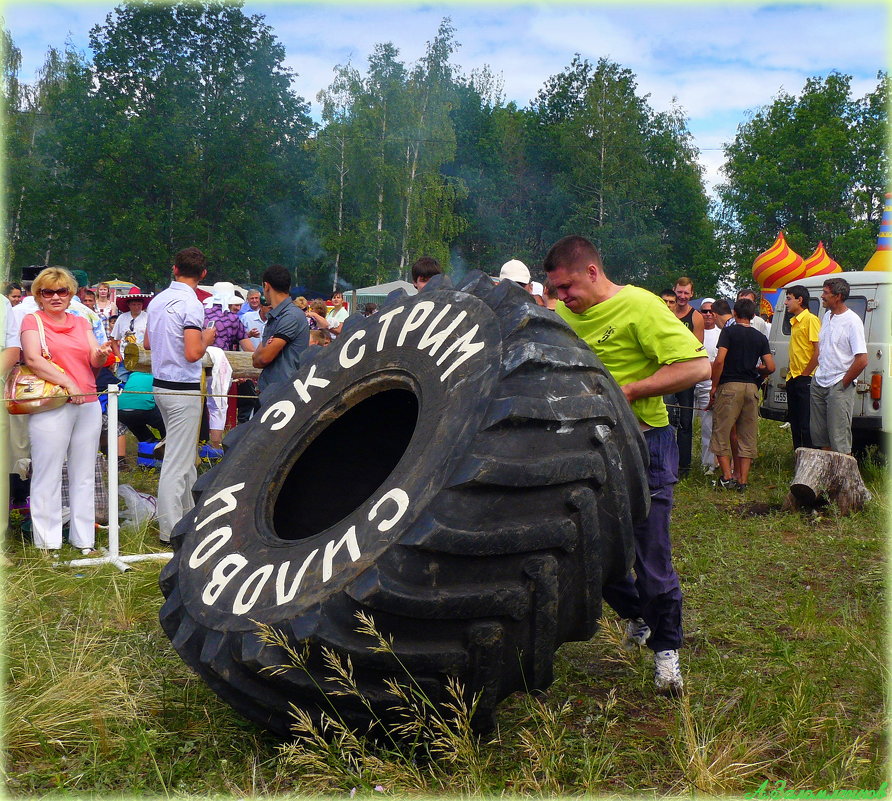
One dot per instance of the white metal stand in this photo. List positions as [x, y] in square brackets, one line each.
[111, 555]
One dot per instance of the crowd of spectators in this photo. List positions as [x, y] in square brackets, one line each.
[670, 360]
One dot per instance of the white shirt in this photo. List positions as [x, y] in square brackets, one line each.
[173, 311]
[335, 318]
[14, 321]
[126, 323]
[760, 325]
[7, 320]
[840, 340]
[252, 319]
[711, 341]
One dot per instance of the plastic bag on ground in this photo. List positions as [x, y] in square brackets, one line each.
[141, 507]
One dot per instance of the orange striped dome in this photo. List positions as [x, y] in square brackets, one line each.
[778, 265]
[820, 263]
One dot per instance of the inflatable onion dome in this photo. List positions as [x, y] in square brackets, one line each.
[777, 266]
[882, 258]
[820, 263]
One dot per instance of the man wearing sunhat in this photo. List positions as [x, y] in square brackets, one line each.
[130, 325]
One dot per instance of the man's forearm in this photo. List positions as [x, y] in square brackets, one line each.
[855, 370]
[669, 378]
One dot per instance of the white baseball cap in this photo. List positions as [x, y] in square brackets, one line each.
[515, 270]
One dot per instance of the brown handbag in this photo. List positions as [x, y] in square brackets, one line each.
[28, 393]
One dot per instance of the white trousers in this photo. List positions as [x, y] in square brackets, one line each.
[217, 412]
[72, 432]
[182, 417]
[701, 401]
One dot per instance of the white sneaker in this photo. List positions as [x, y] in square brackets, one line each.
[667, 673]
[637, 633]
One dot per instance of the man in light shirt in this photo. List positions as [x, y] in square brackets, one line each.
[842, 355]
[178, 340]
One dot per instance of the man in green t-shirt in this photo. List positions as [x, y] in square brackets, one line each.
[650, 354]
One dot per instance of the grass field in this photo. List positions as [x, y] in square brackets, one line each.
[785, 661]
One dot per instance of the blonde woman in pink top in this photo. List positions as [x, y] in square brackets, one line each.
[71, 431]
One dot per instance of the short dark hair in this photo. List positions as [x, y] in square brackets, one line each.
[426, 268]
[277, 277]
[746, 291]
[569, 251]
[800, 293]
[722, 307]
[745, 309]
[190, 262]
[667, 293]
[91, 292]
[838, 286]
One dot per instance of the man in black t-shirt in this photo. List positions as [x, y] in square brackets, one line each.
[736, 376]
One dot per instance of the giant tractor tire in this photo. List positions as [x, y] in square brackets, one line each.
[459, 466]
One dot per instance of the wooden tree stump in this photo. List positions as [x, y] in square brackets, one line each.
[826, 475]
[137, 358]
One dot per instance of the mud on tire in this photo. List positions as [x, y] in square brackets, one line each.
[460, 466]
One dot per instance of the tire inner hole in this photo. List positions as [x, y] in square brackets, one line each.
[345, 464]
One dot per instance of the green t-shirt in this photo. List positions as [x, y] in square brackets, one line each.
[137, 382]
[634, 334]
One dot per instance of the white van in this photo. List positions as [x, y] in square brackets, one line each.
[871, 300]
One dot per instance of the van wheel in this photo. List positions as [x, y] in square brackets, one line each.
[460, 467]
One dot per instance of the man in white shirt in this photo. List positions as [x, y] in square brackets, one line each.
[254, 322]
[762, 326]
[842, 355]
[702, 389]
[178, 340]
[19, 442]
[129, 327]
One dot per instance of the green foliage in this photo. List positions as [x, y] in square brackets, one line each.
[184, 130]
[814, 166]
[383, 199]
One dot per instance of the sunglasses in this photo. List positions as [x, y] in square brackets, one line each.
[62, 292]
[706, 311]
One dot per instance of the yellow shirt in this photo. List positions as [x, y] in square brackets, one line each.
[804, 330]
[634, 334]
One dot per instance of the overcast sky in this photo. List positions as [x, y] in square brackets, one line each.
[718, 61]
